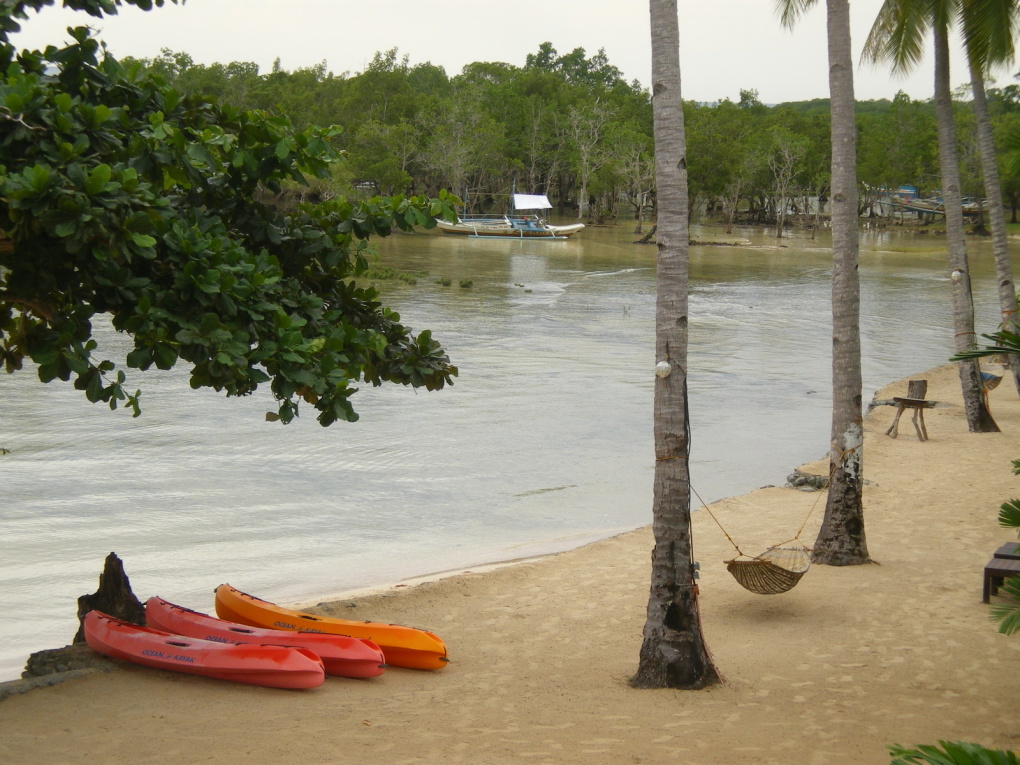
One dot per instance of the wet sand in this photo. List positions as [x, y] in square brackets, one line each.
[849, 661]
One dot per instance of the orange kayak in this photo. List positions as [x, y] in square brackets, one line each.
[269, 665]
[341, 655]
[402, 646]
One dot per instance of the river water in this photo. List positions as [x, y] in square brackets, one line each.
[543, 443]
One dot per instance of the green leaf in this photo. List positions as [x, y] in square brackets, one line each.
[140, 358]
[65, 229]
[94, 391]
[165, 356]
[129, 179]
[95, 182]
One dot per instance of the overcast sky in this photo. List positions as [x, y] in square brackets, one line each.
[725, 45]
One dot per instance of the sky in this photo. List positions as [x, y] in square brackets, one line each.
[725, 45]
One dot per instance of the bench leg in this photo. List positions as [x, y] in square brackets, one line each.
[894, 429]
[922, 432]
[992, 585]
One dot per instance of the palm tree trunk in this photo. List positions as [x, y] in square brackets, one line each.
[979, 420]
[673, 652]
[996, 214]
[841, 540]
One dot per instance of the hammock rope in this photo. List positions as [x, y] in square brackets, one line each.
[781, 566]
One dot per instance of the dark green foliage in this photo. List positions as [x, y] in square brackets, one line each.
[495, 124]
[412, 129]
[120, 195]
[951, 753]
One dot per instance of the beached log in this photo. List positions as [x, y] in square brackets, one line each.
[114, 597]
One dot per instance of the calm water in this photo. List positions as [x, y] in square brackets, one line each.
[543, 443]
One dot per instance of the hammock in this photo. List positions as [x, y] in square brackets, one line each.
[775, 571]
[781, 566]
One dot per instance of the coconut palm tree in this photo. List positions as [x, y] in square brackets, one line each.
[989, 30]
[673, 652]
[897, 36]
[841, 540]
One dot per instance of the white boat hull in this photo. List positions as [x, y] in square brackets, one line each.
[508, 228]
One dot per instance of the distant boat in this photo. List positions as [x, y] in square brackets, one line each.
[933, 206]
[517, 225]
[906, 198]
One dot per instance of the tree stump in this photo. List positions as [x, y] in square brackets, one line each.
[114, 597]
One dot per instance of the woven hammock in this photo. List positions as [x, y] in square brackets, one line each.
[776, 570]
[990, 381]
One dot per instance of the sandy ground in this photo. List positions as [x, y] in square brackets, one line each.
[830, 673]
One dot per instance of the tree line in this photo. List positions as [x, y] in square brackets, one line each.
[571, 127]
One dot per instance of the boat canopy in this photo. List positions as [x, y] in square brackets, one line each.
[531, 202]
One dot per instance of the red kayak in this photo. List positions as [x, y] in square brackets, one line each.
[341, 655]
[273, 666]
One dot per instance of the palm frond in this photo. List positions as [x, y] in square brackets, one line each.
[791, 10]
[1009, 514]
[1003, 341]
[1008, 614]
[898, 34]
[951, 753]
[944, 14]
[990, 28]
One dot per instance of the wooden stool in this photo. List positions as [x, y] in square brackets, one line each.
[914, 400]
[996, 570]
[1009, 550]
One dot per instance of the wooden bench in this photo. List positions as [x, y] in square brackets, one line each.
[913, 400]
[1009, 550]
[996, 571]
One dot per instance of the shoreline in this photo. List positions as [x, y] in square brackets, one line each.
[848, 662]
[308, 604]
[414, 580]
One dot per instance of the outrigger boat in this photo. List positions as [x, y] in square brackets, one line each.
[906, 198]
[515, 226]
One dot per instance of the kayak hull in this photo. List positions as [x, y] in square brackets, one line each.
[341, 656]
[271, 666]
[401, 646]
